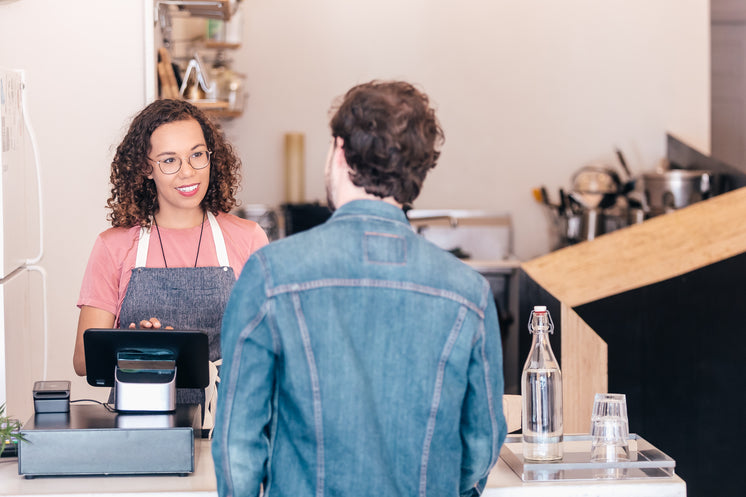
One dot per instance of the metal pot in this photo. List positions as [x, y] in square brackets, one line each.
[669, 190]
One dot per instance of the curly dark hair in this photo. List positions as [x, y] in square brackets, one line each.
[134, 199]
[391, 138]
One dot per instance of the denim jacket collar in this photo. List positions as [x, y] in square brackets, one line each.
[371, 208]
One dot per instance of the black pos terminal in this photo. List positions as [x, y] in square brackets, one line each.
[145, 432]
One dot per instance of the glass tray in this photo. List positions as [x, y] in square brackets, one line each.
[645, 461]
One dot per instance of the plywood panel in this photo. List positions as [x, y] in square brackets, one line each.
[658, 249]
[584, 370]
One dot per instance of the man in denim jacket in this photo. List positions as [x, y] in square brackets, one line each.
[360, 359]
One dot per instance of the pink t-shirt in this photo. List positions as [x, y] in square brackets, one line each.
[115, 250]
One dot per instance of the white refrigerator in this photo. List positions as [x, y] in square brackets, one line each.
[23, 354]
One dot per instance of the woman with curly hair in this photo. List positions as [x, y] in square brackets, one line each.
[174, 251]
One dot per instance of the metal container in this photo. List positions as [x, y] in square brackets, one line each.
[264, 216]
[670, 190]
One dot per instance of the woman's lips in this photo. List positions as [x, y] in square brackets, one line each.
[188, 190]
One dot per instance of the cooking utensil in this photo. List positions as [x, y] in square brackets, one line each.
[563, 202]
[623, 162]
[595, 185]
[676, 188]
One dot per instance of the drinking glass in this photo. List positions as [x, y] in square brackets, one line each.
[609, 428]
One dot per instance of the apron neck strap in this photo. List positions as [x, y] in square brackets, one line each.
[217, 236]
[142, 247]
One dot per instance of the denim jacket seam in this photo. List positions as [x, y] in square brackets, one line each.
[486, 294]
[430, 429]
[490, 398]
[230, 391]
[371, 217]
[272, 434]
[384, 263]
[365, 282]
[264, 264]
[316, 392]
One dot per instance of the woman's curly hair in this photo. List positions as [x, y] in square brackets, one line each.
[391, 138]
[134, 199]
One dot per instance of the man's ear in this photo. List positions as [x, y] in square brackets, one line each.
[338, 157]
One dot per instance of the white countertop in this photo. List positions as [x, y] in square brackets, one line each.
[499, 265]
[503, 482]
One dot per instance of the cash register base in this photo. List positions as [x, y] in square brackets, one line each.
[91, 440]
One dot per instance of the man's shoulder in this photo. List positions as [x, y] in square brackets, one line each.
[450, 264]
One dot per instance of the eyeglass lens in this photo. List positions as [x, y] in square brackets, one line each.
[198, 160]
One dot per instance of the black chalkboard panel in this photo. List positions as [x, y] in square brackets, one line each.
[531, 294]
[677, 349]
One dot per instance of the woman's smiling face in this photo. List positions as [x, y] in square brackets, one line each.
[184, 190]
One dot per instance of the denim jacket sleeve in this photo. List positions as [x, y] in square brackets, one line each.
[483, 427]
[240, 446]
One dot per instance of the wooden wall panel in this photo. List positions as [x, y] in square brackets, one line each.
[584, 370]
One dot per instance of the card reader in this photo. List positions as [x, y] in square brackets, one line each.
[51, 396]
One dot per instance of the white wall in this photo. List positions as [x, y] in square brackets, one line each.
[84, 74]
[528, 91]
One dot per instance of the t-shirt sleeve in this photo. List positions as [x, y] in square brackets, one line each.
[100, 286]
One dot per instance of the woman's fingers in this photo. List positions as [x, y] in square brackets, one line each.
[150, 324]
[154, 323]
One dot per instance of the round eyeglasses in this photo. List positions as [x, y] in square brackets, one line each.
[171, 165]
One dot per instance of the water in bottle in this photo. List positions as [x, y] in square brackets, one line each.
[541, 393]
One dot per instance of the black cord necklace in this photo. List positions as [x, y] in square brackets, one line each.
[199, 244]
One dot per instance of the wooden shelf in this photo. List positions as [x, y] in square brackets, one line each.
[216, 108]
[221, 45]
[210, 104]
[224, 113]
[214, 9]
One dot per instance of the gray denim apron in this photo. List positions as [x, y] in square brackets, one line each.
[186, 298]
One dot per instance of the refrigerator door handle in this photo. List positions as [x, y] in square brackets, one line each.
[35, 149]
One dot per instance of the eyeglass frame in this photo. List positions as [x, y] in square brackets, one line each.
[181, 162]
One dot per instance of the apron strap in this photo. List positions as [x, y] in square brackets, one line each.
[142, 247]
[211, 397]
[217, 236]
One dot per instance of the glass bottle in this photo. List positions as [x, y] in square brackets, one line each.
[541, 393]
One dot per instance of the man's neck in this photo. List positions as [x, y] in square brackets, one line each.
[350, 192]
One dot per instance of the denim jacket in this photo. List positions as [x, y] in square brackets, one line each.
[358, 359]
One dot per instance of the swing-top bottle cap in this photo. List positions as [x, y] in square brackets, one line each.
[540, 320]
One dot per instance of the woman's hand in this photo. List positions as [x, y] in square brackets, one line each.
[150, 324]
